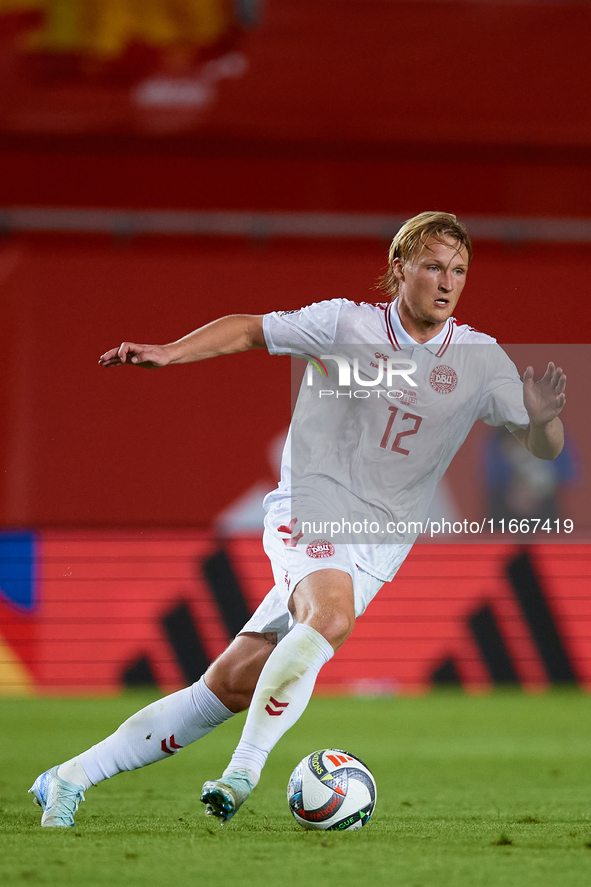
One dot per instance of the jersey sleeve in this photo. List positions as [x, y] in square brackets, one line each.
[502, 395]
[312, 328]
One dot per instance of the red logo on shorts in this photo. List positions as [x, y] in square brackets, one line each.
[288, 530]
[443, 379]
[320, 548]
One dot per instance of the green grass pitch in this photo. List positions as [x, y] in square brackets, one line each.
[491, 790]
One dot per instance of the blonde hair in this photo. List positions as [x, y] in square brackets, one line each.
[412, 237]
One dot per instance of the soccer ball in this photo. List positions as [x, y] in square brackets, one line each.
[333, 790]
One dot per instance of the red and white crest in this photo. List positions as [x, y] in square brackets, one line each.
[320, 548]
[443, 379]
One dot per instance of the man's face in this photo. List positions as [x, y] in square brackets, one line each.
[431, 283]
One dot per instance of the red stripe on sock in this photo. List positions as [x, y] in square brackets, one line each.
[278, 704]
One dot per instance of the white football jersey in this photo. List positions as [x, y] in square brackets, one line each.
[378, 419]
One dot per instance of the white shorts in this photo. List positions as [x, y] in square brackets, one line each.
[290, 564]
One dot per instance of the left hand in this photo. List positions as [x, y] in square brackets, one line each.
[545, 398]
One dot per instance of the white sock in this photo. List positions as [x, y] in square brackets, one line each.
[282, 693]
[156, 732]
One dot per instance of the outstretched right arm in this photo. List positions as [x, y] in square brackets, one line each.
[228, 335]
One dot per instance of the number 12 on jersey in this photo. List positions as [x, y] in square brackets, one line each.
[396, 448]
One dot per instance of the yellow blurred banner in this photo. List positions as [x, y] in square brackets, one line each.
[105, 28]
[14, 677]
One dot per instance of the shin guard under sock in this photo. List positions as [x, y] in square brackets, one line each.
[282, 693]
[152, 734]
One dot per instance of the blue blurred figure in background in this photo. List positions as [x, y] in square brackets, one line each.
[519, 485]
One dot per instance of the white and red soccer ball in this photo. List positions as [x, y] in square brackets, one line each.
[331, 790]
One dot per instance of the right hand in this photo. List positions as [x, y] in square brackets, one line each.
[148, 356]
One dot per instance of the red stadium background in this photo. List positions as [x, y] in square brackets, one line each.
[305, 117]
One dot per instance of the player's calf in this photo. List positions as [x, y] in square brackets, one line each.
[234, 675]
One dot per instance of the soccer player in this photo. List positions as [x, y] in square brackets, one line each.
[376, 451]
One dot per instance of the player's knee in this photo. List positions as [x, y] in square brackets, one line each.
[341, 626]
[334, 625]
[325, 601]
